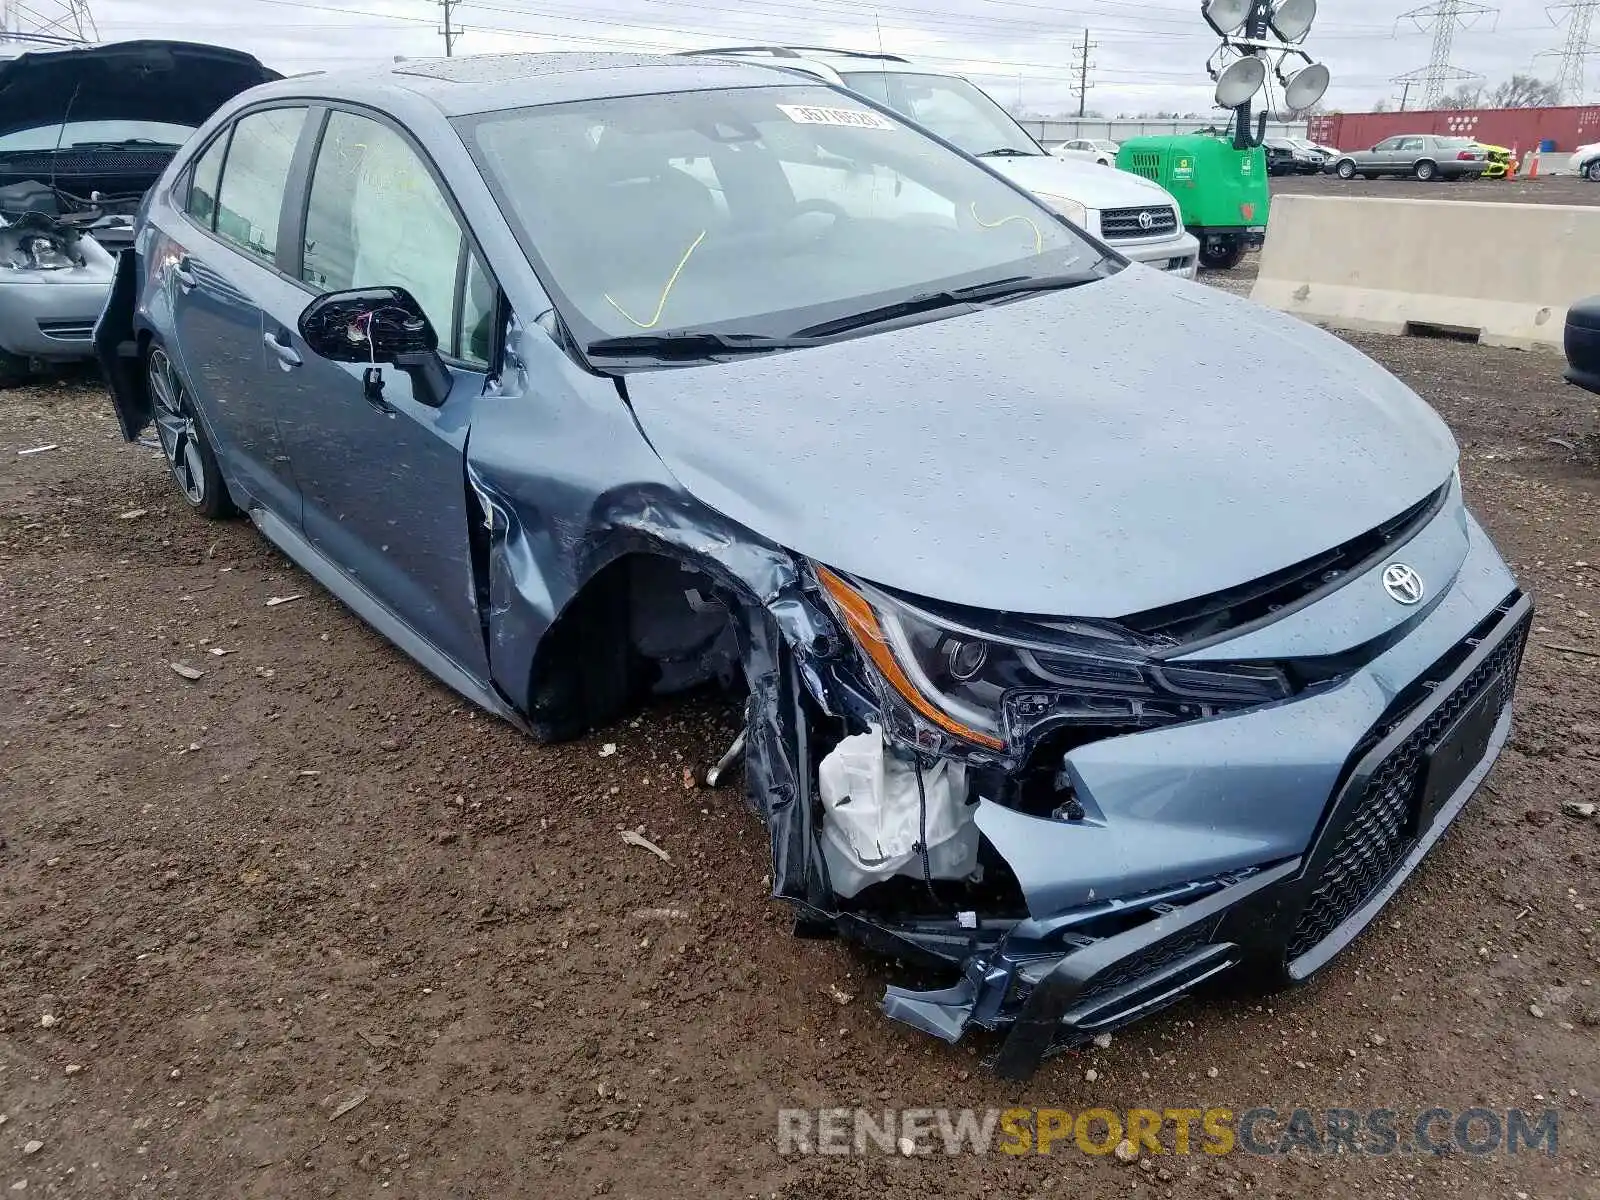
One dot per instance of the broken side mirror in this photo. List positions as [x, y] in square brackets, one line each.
[379, 326]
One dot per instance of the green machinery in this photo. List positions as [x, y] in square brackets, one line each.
[1221, 190]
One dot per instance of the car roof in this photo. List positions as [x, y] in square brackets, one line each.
[488, 82]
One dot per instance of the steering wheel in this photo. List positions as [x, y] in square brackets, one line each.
[827, 207]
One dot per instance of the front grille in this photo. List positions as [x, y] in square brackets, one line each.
[1125, 224]
[1380, 832]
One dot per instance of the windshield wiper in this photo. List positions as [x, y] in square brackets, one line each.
[974, 294]
[690, 345]
[1009, 152]
[150, 143]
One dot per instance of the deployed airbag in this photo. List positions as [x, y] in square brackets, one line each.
[873, 816]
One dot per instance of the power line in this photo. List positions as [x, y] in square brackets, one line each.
[1444, 17]
[1082, 90]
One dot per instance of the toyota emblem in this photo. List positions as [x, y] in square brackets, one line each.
[1402, 583]
[1147, 219]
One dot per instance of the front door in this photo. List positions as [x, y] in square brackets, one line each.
[383, 478]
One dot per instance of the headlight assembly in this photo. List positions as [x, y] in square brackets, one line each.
[994, 689]
[1070, 209]
[26, 246]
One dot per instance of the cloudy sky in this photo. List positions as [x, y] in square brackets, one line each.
[1149, 56]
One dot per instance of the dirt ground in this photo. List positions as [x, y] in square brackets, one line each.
[1546, 189]
[232, 907]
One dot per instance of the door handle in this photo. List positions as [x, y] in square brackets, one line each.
[183, 272]
[288, 358]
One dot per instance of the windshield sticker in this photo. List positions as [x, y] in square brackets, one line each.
[850, 118]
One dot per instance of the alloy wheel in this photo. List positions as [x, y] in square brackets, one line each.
[175, 427]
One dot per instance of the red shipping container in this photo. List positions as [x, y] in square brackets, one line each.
[1520, 129]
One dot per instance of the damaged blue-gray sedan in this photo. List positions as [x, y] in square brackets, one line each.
[1090, 646]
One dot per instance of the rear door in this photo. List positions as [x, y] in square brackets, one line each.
[1405, 157]
[222, 260]
[383, 480]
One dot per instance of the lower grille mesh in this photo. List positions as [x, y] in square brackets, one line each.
[1379, 833]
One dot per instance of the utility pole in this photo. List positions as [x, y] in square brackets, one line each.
[450, 32]
[1405, 94]
[1084, 64]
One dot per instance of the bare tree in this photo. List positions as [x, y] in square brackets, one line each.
[1468, 95]
[1524, 91]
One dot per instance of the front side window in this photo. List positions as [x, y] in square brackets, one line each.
[376, 218]
[751, 209]
[1388, 144]
[951, 107]
[254, 176]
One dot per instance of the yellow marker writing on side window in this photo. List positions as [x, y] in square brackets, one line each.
[1038, 235]
[655, 318]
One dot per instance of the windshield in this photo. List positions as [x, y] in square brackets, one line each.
[951, 107]
[48, 137]
[759, 211]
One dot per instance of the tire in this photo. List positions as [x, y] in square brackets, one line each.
[1220, 256]
[183, 441]
[14, 369]
[1425, 171]
[1346, 169]
[1591, 172]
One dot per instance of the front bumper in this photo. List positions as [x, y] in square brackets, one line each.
[1175, 255]
[1265, 840]
[1285, 919]
[50, 315]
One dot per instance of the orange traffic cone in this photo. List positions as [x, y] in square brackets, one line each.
[1511, 167]
[1533, 165]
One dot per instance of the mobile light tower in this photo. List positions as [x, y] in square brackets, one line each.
[1240, 65]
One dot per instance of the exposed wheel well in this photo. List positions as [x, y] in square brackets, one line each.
[647, 623]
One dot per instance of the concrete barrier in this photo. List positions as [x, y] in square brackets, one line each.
[1503, 272]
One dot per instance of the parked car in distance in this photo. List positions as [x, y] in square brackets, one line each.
[1096, 150]
[1075, 682]
[1138, 217]
[1285, 157]
[1585, 162]
[1423, 156]
[84, 131]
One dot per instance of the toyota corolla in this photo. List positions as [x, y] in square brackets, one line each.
[1072, 677]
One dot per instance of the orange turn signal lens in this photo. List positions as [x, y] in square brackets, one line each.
[862, 622]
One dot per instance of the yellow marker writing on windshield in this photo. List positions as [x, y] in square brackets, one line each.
[655, 318]
[1038, 235]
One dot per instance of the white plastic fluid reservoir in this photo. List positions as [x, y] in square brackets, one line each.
[871, 818]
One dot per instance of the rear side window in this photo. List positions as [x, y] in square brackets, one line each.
[376, 218]
[254, 177]
[202, 205]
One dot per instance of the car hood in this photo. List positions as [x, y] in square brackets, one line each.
[1090, 184]
[1096, 452]
[178, 82]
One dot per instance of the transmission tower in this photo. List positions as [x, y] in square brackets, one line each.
[1444, 17]
[51, 22]
[1576, 51]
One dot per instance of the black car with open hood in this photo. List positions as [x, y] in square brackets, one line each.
[85, 131]
[108, 118]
